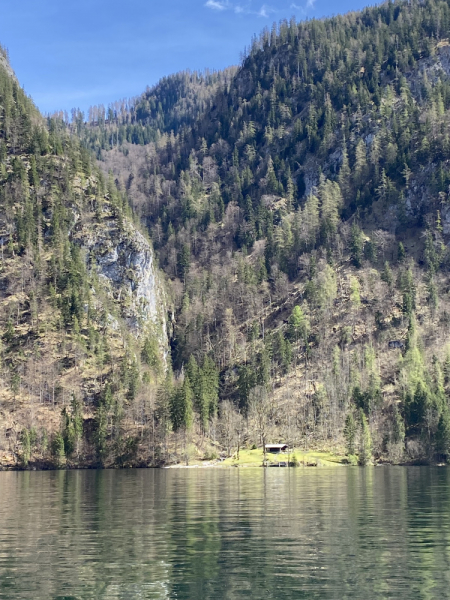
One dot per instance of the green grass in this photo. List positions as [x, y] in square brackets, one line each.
[254, 458]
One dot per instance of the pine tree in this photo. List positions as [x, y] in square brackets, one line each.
[58, 450]
[151, 353]
[344, 173]
[331, 203]
[272, 182]
[386, 275]
[365, 441]
[310, 221]
[25, 455]
[398, 427]
[360, 163]
[356, 245]
[181, 407]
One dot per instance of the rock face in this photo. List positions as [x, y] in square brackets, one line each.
[125, 264]
[130, 271]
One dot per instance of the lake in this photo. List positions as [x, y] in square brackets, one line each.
[226, 533]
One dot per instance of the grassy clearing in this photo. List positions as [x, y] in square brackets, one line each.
[254, 458]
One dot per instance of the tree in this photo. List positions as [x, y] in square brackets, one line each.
[260, 414]
[344, 173]
[151, 353]
[271, 178]
[210, 384]
[230, 425]
[246, 381]
[356, 245]
[360, 163]
[417, 406]
[298, 324]
[325, 287]
[310, 221]
[101, 433]
[398, 427]
[193, 373]
[184, 261]
[181, 410]
[330, 205]
[443, 434]
[365, 441]
[263, 372]
[72, 427]
[350, 431]
[58, 450]
[163, 407]
[25, 455]
[386, 275]
[283, 351]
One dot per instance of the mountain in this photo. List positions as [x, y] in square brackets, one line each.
[302, 217]
[83, 304]
[299, 208]
[172, 105]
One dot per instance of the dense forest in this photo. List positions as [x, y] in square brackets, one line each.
[299, 208]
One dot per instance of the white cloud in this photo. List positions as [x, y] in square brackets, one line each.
[217, 5]
[304, 9]
[265, 11]
[240, 9]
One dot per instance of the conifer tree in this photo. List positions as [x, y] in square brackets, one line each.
[356, 245]
[365, 441]
[350, 431]
[181, 406]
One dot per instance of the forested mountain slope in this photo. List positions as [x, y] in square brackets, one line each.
[303, 219]
[176, 101]
[82, 304]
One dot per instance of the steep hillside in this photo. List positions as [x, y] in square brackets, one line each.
[303, 219]
[83, 305]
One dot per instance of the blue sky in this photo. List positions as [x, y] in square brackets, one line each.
[75, 54]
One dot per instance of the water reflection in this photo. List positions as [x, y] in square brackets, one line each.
[226, 534]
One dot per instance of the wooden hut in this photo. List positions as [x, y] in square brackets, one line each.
[276, 448]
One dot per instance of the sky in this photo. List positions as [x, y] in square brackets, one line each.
[69, 54]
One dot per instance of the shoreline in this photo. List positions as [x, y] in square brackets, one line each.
[247, 459]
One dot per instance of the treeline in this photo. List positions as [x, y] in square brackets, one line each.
[175, 102]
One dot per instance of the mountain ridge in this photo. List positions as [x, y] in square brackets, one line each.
[299, 208]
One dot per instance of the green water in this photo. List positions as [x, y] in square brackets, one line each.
[224, 534]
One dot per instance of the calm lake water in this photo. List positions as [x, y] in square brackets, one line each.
[224, 534]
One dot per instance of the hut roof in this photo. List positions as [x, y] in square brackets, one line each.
[277, 446]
